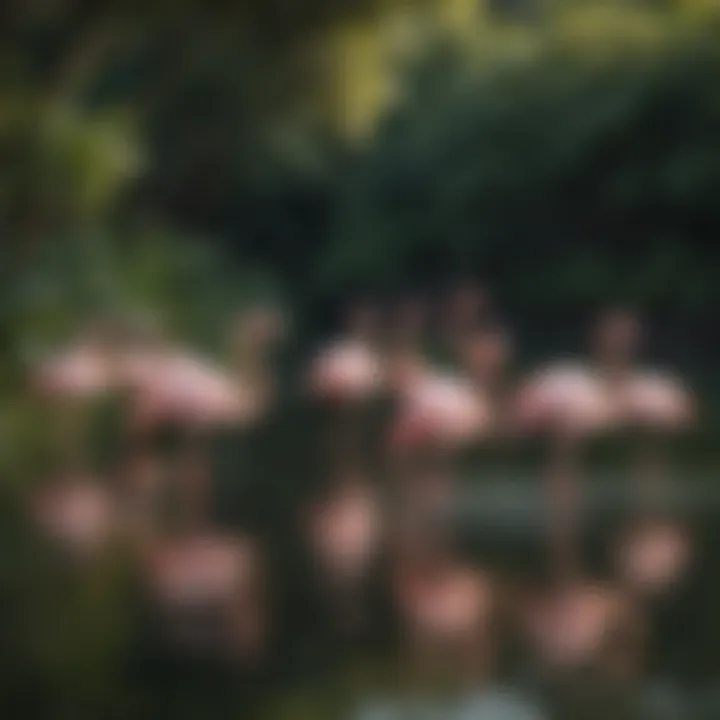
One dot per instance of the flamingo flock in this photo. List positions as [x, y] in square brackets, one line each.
[468, 396]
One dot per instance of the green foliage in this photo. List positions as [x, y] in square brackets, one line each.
[180, 282]
[561, 176]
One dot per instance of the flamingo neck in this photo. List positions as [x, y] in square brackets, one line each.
[613, 369]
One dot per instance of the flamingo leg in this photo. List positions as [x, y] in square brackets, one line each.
[563, 498]
[650, 469]
[70, 436]
[142, 473]
[195, 481]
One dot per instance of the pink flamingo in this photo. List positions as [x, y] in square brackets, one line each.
[190, 392]
[568, 397]
[256, 335]
[654, 402]
[569, 403]
[80, 373]
[448, 611]
[484, 355]
[345, 528]
[652, 556]
[586, 626]
[71, 381]
[78, 514]
[347, 371]
[441, 409]
[438, 413]
[346, 376]
[214, 576]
